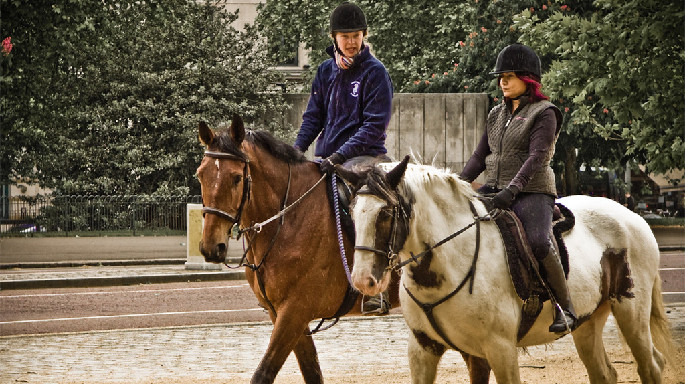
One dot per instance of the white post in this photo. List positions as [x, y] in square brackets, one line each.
[195, 260]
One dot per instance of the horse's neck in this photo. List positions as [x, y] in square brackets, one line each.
[272, 179]
[440, 210]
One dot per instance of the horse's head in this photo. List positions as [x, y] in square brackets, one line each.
[381, 216]
[224, 179]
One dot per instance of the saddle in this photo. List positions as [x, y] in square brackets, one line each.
[523, 266]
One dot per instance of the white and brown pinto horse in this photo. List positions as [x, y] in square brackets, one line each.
[471, 301]
[294, 263]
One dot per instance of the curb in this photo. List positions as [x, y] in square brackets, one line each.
[87, 282]
[670, 248]
[91, 263]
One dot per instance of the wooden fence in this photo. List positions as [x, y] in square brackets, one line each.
[442, 129]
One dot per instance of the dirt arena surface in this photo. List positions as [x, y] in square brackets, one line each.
[357, 350]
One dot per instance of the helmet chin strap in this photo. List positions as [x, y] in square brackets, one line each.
[341, 60]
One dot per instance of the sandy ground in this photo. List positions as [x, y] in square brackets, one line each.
[347, 356]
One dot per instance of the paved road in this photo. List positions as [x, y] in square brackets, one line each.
[37, 311]
[40, 311]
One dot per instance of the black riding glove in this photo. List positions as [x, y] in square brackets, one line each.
[505, 197]
[328, 164]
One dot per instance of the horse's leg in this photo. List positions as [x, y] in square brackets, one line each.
[424, 356]
[502, 356]
[590, 347]
[288, 329]
[479, 369]
[633, 319]
[305, 351]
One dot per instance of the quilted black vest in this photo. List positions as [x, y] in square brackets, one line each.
[509, 139]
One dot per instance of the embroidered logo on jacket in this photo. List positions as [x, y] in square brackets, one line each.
[355, 89]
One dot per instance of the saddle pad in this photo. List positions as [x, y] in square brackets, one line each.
[520, 258]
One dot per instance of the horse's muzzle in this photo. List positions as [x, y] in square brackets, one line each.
[216, 254]
[368, 284]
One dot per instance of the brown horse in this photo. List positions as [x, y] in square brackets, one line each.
[295, 268]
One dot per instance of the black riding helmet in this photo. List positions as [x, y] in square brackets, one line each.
[347, 17]
[517, 58]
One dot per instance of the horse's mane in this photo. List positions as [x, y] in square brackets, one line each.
[262, 139]
[275, 147]
[418, 177]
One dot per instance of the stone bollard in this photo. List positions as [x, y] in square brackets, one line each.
[195, 260]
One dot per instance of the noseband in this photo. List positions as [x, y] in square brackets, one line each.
[247, 181]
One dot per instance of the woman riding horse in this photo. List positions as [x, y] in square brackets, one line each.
[350, 104]
[516, 150]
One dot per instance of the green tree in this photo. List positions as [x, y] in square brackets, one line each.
[487, 29]
[618, 67]
[105, 98]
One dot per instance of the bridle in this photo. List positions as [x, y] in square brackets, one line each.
[247, 183]
[394, 246]
[394, 243]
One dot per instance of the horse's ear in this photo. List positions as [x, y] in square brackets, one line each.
[395, 175]
[237, 129]
[206, 135]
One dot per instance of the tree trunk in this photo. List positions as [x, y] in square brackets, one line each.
[570, 172]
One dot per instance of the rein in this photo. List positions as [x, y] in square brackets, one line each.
[476, 221]
[257, 228]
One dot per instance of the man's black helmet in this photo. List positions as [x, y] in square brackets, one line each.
[347, 17]
[517, 58]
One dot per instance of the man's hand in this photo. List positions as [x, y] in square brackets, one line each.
[328, 164]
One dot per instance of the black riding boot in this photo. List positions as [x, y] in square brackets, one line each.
[564, 318]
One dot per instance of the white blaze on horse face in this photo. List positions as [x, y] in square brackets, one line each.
[218, 173]
[364, 213]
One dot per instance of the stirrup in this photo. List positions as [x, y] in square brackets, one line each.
[569, 322]
[375, 305]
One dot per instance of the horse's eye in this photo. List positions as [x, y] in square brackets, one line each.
[236, 179]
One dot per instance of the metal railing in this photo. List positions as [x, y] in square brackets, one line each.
[96, 215]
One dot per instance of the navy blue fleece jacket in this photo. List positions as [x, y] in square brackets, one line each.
[350, 109]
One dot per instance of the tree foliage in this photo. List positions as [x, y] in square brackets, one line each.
[618, 66]
[615, 68]
[105, 97]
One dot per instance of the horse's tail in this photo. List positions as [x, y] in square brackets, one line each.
[660, 326]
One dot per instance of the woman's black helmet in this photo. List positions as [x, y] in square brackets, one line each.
[347, 17]
[517, 58]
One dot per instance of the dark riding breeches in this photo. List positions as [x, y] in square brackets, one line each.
[535, 212]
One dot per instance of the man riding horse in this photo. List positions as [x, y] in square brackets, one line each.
[350, 104]
[516, 150]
